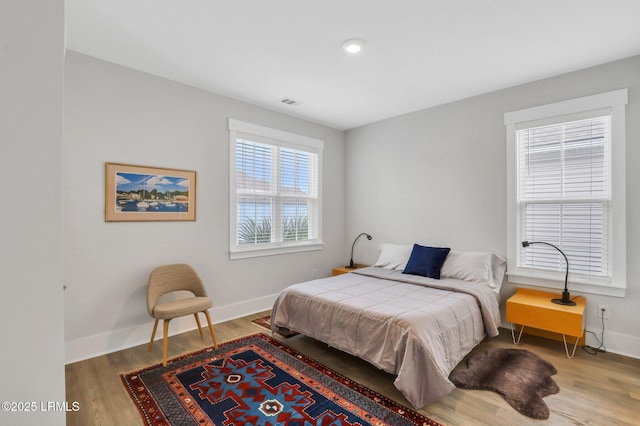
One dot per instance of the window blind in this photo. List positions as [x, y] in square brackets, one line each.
[298, 190]
[563, 194]
[253, 185]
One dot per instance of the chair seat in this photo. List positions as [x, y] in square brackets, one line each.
[181, 307]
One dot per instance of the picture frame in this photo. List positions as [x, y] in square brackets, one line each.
[146, 194]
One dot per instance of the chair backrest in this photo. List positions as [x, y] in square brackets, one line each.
[168, 278]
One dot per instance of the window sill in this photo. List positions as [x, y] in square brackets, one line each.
[552, 283]
[272, 251]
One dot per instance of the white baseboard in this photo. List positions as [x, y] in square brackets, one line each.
[617, 343]
[101, 344]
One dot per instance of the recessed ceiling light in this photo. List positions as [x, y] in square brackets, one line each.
[353, 45]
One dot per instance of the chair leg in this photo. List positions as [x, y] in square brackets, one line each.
[165, 341]
[153, 335]
[213, 334]
[198, 322]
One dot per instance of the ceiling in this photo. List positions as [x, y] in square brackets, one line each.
[418, 53]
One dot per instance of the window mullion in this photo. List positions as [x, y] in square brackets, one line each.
[276, 226]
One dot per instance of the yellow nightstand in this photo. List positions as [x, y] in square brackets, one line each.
[344, 269]
[532, 308]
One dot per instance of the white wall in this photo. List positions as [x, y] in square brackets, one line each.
[438, 176]
[31, 103]
[116, 114]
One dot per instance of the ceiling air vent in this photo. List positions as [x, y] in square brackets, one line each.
[288, 101]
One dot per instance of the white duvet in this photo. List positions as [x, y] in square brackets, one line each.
[414, 327]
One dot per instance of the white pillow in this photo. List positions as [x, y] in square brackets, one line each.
[393, 256]
[475, 266]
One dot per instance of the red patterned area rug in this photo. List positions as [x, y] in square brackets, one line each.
[265, 322]
[258, 380]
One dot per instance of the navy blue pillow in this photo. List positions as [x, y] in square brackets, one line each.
[426, 261]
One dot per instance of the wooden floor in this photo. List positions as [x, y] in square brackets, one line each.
[596, 390]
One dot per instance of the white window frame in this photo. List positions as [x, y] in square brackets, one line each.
[282, 139]
[616, 285]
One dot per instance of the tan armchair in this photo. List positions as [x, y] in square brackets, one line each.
[170, 278]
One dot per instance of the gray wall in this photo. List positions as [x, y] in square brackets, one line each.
[435, 176]
[438, 176]
[31, 326]
[116, 114]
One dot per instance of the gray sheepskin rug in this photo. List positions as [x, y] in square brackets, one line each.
[520, 376]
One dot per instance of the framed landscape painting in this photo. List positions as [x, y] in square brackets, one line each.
[140, 193]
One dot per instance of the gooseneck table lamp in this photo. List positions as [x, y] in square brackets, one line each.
[351, 264]
[566, 298]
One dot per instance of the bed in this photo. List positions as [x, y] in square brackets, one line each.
[413, 326]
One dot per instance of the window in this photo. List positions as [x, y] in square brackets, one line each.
[566, 187]
[275, 191]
